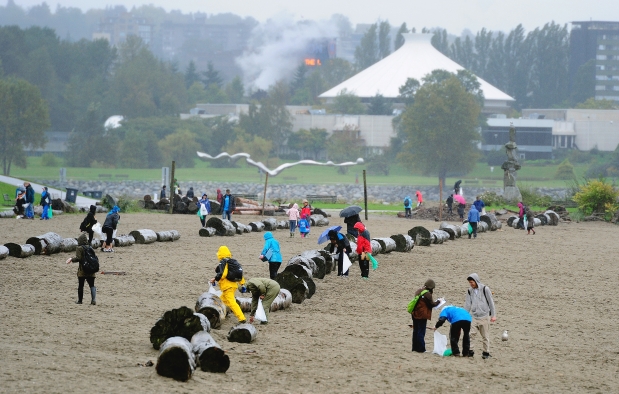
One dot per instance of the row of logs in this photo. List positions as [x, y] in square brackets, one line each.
[52, 243]
[548, 218]
[226, 228]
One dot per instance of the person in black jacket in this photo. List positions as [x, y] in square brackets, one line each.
[29, 200]
[111, 221]
[190, 193]
[450, 203]
[457, 187]
[88, 222]
[350, 225]
[162, 192]
[343, 246]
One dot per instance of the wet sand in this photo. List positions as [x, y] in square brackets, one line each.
[556, 293]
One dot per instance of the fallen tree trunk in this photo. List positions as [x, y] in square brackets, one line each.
[453, 231]
[241, 228]
[176, 359]
[318, 220]
[242, 333]
[283, 224]
[421, 235]
[209, 355]
[298, 287]
[207, 232]
[543, 218]
[211, 306]
[511, 219]
[282, 301]
[223, 227]
[4, 251]
[256, 226]
[387, 244]
[494, 222]
[300, 266]
[48, 243]
[486, 220]
[554, 218]
[69, 245]
[124, 240]
[330, 263]
[270, 224]
[319, 260]
[21, 251]
[168, 236]
[7, 214]
[482, 227]
[180, 322]
[403, 242]
[144, 236]
[376, 247]
[192, 207]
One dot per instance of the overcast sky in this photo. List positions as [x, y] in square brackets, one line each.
[454, 15]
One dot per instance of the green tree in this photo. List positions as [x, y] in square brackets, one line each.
[379, 105]
[235, 91]
[399, 38]
[336, 71]
[367, 53]
[583, 85]
[196, 94]
[259, 148]
[408, 91]
[191, 75]
[23, 120]
[133, 152]
[565, 171]
[592, 103]
[89, 142]
[344, 145]
[347, 103]
[439, 41]
[180, 147]
[211, 76]
[384, 39]
[597, 196]
[441, 129]
[309, 141]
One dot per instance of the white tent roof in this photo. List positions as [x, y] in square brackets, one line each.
[415, 59]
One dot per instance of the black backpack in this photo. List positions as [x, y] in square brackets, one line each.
[90, 265]
[235, 271]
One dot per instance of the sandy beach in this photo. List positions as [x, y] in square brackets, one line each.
[556, 293]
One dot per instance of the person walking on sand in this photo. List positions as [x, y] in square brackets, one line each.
[293, 218]
[264, 289]
[271, 254]
[480, 305]
[339, 244]
[460, 321]
[46, 202]
[350, 224]
[422, 312]
[110, 224]
[204, 202]
[479, 204]
[450, 203]
[408, 207]
[88, 222]
[162, 192]
[80, 256]
[304, 226]
[29, 201]
[228, 205]
[521, 209]
[419, 198]
[473, 220]
[229, 274]
[530, 220]
[306, 210]
[363, 247]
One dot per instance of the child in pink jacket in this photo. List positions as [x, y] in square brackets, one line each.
[293, 217]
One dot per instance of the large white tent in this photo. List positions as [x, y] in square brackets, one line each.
[415, 59]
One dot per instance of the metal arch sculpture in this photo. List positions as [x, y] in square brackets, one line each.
[281, 168]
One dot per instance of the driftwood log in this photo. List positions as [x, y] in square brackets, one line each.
[21, 251]
[241, 228]
[144, 236]
[420, 235]
[543, 218]
[242, 333]
[554, 218]
[493, 223]
[330, 263]
[403, 242]
[270, 224]
[439, 236]
[318, 220]
[192, 207]
[283, 224]
[4, 251]
[168, 236]
[207, 232]
[69, 245]
[224, 227]
[48, 243]
[511, 220]
[124, 240]
[301, 266]
[320, 259]
[256, 226]
[7, 214]
[282, 301]
[180, 322]
[210, 357]
[387, 245]
[453, 231]
[176, 359]
[376, 247]
[211, 306]
[298, 287]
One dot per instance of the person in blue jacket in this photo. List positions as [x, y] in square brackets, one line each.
[479, 204]
[272, 254]
[46, 202]
[29, 200]
[408, 207]
[207, 204]
[473, 220]
[460, 320]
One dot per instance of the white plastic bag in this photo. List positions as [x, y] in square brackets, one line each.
[346, 264]
[203, 210]
[440, 343]
[98, 234]
[211, 289]
[260, 315]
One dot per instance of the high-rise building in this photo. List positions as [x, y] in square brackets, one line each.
[600, 41]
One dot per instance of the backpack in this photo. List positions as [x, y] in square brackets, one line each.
[413, 303]
[90, 265]
[485, 295]
[235, 271]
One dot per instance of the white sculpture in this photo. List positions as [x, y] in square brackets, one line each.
[279, 169]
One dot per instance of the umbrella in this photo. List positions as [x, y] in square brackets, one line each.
[350, 211]
[324, 237]
[460, 199]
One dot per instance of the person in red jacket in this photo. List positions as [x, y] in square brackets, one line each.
[419, 198]
[363, 246]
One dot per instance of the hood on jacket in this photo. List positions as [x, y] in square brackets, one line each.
[296, 206]
[520, 205]
[359, 226]
[115, 209]
[268, 235]
[407, 197]
[332, 234]
[430, 285]
[93, 209]
[82, 239]
[473, 208]
[417, 193]
[475, 277]
[223, 253]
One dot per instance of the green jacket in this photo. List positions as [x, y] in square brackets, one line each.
[262, 286]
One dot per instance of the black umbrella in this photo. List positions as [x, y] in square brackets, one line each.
[350, 211]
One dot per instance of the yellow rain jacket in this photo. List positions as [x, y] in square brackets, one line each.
[228, 287]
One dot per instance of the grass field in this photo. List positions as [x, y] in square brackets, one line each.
[536, 176]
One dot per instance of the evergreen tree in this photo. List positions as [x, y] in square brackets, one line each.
[384, 39]
[367, 52]
[399, 39]
[379, 105]
[191, 75]
[211, 76]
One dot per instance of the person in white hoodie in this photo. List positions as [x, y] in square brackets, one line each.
[480, 305]
[293, 217]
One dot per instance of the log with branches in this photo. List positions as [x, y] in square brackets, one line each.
[210, 357]
[180, 322]
[176, 359]
[144, 236]
[211, 306]
[242, 333]
[48, 243]
[223, 227]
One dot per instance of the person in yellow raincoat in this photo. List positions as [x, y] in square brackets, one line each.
[227, 286]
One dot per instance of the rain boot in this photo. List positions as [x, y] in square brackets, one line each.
[93, 294]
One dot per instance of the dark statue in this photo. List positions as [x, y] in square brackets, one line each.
[510, 166]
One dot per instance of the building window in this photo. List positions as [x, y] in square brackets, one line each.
[601, 57]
